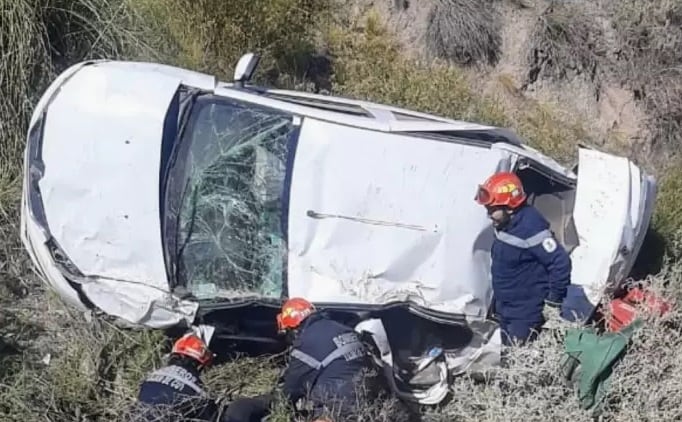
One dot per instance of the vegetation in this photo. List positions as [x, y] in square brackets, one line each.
[62, 367]
[464, 31]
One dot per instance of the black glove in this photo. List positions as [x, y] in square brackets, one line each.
[552, 304]
[248, 408]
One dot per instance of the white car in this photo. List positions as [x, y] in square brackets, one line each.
[164, 197]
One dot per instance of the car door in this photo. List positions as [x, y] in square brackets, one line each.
[613, 208]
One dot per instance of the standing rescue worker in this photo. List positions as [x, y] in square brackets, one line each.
[530, 269]
[177, 387]
[329, 363]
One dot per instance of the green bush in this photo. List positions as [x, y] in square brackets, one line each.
[211, 35]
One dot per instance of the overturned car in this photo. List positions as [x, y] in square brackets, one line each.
[165, 198]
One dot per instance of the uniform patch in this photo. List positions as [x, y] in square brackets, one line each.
[549, 245]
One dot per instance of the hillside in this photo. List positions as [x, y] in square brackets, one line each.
[604, 73]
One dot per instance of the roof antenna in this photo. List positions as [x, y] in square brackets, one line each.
[245, 69]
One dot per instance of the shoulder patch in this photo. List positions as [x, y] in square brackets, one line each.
[549, 245]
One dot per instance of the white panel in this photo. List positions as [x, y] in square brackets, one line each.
[101, 151]
[398, 220]
[602, 207]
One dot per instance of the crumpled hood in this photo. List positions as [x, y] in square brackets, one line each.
[101, 150]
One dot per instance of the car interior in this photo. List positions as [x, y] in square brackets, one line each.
[555, 201]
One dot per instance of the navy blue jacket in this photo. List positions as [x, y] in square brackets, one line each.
[177, 387]
[326, 359]
[528, 264]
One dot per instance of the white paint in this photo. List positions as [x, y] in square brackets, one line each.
[607, 203]
[94, 180]
[139, 304]
[101, 193]
[433, 244]
[34, 240]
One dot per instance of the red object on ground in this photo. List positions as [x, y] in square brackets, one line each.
[624, 310]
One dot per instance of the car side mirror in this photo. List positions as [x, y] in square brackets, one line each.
[246, 67]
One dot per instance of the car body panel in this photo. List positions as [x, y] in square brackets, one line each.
[110, 228]
[382, 217]
[111, 117]
[612, 211]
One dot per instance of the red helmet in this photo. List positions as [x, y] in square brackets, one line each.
[501, 189]
[294, 311]
[192, 346]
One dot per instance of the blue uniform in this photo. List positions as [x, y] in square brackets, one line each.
[327, 363]
[178, 388]
[528, 267]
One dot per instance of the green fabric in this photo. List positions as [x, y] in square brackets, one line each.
[596, 355]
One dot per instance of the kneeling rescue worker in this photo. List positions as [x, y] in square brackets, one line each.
[177, 387]
[530, 269]
[329, 367]
[329, 363]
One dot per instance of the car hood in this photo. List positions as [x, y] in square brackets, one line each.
[101, 149]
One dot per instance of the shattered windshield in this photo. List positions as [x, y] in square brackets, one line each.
[229, 234]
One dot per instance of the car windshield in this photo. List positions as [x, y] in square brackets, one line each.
[229, 240]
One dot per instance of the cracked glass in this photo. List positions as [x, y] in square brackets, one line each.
[230, 240]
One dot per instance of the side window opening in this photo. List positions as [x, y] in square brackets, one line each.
[555, 201]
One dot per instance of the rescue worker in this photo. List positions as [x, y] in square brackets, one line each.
[177, 387]
[530, 269]
[330, 365]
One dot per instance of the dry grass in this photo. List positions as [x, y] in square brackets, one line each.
[370, 64]
[566, 40]
[95, 372]
[95, 367]
[650, 63]
[466, 32]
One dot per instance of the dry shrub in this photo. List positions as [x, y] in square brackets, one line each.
[565, 38]
[663, 100]
[369, 64]
[645, 384]
[93, 374]
[650, 63]
[530, 388]
[39, 39]
[648, 381]
[549, 130]
[465, 31]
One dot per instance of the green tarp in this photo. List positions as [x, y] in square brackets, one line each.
[590, 359]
